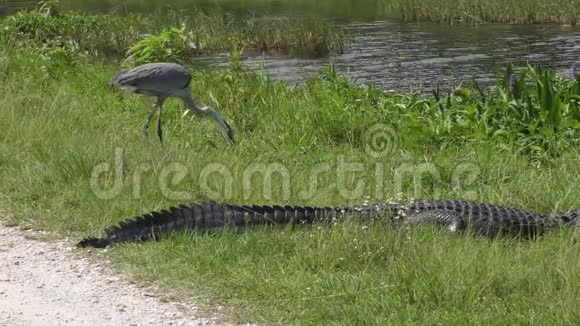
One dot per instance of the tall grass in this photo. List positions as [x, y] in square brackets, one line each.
[439, 11]
[59, 123]
[194, 34]
[497, 11]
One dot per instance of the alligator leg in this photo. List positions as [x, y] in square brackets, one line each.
[452, 221]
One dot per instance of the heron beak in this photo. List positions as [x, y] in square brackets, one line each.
[230, 134]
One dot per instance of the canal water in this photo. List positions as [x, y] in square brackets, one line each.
[393, 55]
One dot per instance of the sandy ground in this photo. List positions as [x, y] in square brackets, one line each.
[49, 283]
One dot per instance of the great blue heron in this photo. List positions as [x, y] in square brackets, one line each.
[163, 80]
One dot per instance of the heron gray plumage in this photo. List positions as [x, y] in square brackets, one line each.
[163, 80]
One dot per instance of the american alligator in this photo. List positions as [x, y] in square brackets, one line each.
[456, 216]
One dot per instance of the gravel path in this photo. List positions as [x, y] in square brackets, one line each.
[46, 283]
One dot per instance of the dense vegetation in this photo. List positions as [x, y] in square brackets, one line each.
[150, 37]
[439, 11]
[73, 160]
[495, 11]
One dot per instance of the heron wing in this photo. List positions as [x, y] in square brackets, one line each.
[154, 78]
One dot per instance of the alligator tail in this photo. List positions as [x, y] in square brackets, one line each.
[209, 216]
[94, 242]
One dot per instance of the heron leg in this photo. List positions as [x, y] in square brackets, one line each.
[159, 131]
[148, 121]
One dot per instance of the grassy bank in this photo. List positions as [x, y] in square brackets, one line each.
[496, 11]
[174, 34]
[61, 130]
[441, 11]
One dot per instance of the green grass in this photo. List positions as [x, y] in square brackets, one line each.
[59, 123]
[350, 275]
[172, 34]
[495, 11]
[441, 11]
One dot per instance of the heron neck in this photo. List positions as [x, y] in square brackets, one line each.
[190, 102]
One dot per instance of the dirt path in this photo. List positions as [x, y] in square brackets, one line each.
[45, 283]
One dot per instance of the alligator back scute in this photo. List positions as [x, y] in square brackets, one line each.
[325, 214]
[250, 216]
[228, 213]
[278, 214]
[268, 215]
[178, 219]
[300, 214]
[309, 214]
[198, 221]
[208, 220]
[238, 216]
[163, 219]
[185, 214]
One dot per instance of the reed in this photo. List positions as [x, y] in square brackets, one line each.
[438, 11]
[495, 11]
[192, 35]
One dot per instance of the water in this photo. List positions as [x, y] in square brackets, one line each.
[402, 56]
[389, 54]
